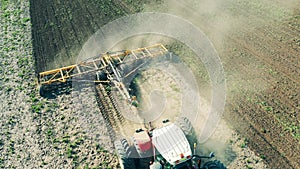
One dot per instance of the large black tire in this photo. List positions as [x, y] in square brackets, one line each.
[185, 125]
[46, 91]
[123, 152]
[144, 162]
[216, 164]
[42, 91]
[188, 130]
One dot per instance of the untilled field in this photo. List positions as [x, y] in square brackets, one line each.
[258, 43]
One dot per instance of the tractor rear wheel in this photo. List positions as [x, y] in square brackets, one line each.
[216, 164]
[123, 151]
[144, 162]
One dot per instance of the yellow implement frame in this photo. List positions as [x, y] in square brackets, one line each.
[98, 63]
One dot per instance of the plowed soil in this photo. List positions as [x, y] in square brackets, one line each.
[258, 43]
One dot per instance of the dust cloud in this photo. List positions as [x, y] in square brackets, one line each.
[220, 20]
[115, 36]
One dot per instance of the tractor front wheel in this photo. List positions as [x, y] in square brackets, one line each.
[185, 125]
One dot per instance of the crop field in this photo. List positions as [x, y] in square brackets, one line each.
[258, 43]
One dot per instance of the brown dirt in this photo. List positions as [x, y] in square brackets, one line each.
[60, 28]
[258, 43]
[260, 53]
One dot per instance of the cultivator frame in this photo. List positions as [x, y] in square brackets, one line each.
[98, 63]
[104, 63]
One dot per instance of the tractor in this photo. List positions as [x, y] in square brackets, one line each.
[165, 147]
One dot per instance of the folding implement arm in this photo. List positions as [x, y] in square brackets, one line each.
[100, 62]
[106, 63]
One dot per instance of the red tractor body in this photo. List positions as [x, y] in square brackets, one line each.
[142, 141]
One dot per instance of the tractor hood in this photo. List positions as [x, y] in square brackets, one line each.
[172, 144]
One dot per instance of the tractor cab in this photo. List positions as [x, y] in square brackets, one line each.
[171, 145]
[165, 147]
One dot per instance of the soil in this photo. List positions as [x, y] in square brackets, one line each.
[60, 28]
[228, 146]
[258, 43]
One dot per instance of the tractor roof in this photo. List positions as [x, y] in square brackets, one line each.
[172, 144]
